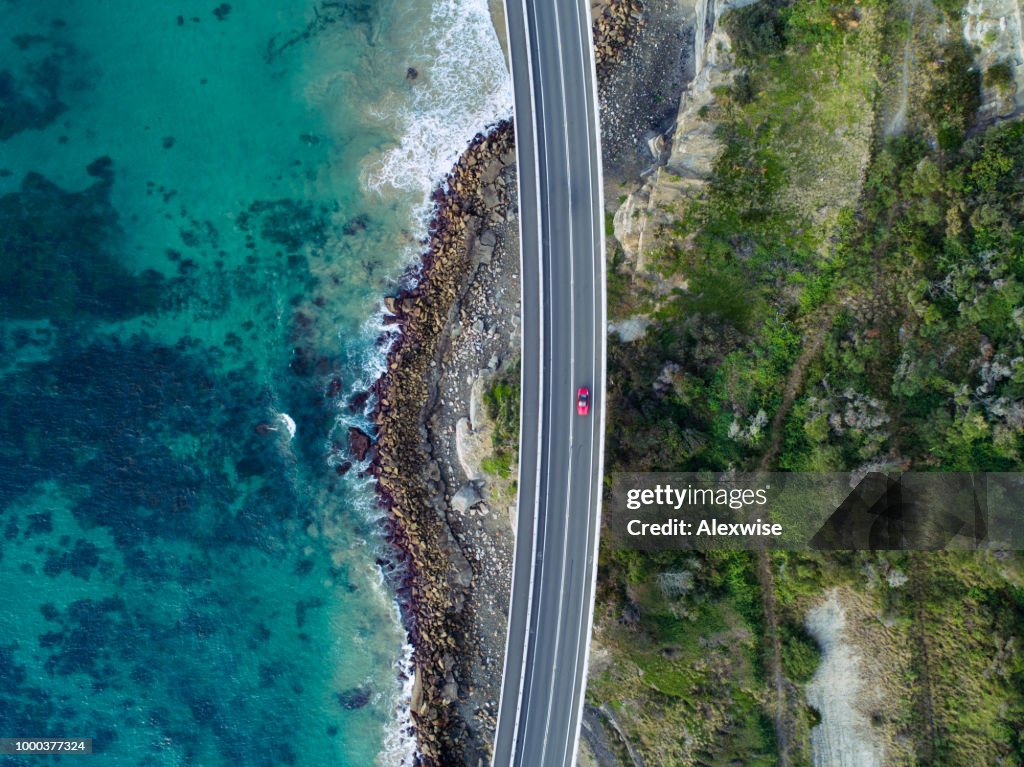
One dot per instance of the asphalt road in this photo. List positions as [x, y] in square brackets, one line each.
[563, 331]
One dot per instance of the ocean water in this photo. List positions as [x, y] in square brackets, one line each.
[201, 205]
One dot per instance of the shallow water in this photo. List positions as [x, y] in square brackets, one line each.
[200, 206]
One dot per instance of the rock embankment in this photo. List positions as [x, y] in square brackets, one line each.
[641, 69]
[434, 571]
[616, 26]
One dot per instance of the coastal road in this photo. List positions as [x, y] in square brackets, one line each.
[563, 330]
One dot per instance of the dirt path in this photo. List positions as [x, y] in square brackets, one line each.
[821, 321]
[780, 714]
[818, 324]
[899, 120]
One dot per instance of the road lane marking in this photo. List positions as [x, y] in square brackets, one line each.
[572, 379]
[540, 393]
[536, 609]
[601, 337]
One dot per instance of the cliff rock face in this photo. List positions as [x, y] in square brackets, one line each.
[686, 160]
[993, 28]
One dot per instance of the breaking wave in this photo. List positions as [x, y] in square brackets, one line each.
[465, 89]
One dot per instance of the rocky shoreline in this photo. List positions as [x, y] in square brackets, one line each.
[437, 563]
[453, 329]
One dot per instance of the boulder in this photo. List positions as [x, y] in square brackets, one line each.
[467, 496]
[358, 401]
[359, 443]
[450, 691]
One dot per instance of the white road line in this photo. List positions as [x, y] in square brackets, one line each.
[601, 331]
[573, 738]
[540, 403]
[572, 378]
[540, 452]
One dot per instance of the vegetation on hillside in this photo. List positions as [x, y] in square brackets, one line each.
[853, 300]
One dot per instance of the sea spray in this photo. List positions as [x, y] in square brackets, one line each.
[399, 749]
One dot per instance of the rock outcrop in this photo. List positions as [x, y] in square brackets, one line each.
[686, 160]
[359, 443]
[993, 28]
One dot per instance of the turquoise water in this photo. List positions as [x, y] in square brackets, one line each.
[200, 207]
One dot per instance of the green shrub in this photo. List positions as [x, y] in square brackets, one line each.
[955, 96]
[952, 8]
[800, 654]
[499, 464]
[743, 89]
[756, 30]
[1000, 77]
[502, 402]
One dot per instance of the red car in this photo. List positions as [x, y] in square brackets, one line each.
[583, 400]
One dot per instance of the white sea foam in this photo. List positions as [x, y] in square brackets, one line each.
[289, 424]
[466, 88]
[399, 748]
